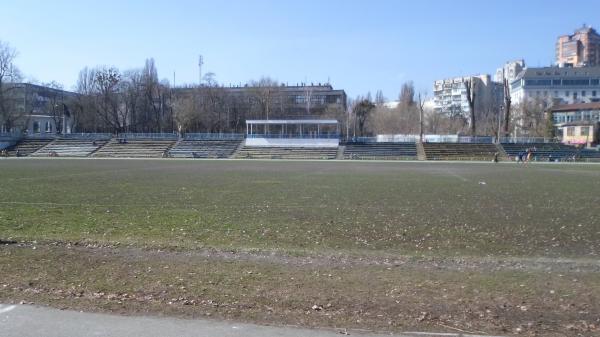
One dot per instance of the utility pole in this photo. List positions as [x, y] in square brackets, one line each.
[200, 63]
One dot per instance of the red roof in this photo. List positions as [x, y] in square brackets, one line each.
[575, 107]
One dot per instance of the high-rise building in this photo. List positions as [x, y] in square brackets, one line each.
[450, 95]
[581, 49]
[510, 70]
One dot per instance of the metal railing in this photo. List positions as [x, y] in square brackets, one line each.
[397, 138]
[157, 136]
[476, 139]
[426, 139]
[40, 136]
[87, 136]
[213, 136]
[527, 140]
[458, 139]
[295, 135]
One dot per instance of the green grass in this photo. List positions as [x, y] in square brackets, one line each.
[391, 246]
[307, 207]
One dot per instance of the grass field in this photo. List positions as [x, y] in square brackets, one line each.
[394, 246]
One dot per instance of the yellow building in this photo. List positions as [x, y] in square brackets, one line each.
[577, 124]
[580, 133]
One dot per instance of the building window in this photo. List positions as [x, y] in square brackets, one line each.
[556, 94]
[48, 127]
[577, 82]
[570, 131]
[583, 93]
[593, 93]
[574, 96]
[567, 93]
[36, 127]
[300, 99]
[584, 131]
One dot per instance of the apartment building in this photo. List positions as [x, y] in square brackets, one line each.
[581, 49]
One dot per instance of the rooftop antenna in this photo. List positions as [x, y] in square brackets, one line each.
[200, 63]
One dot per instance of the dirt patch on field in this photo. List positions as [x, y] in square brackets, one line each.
[336, 260]
[522, 297]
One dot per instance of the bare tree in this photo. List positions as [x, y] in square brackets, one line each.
[408, 109]
[385, 120]
[362, 111]
[407, 94]
[404, 118]
[507, 106]
[214, 104]
[9, 76]
[532, 117]
[421, 113]
[154, 103]
[264, 91]
[470, 87]
[56, 104]
[308, 91]
[85, 116]
[108, 103]
[185, 111]
[379, 98]
[434, 122]
[134, 99]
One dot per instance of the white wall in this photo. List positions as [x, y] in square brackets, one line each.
[293, 142]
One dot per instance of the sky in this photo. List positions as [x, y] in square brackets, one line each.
[357, 45]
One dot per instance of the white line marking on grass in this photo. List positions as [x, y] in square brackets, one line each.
[4, 309]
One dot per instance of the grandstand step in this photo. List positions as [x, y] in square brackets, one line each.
[340, 152]
[459, 151]
[421, 151]
[249, 152]
[381, 151]
[204, 148]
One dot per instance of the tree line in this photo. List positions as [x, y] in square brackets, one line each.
[486, 116]
[136, 100]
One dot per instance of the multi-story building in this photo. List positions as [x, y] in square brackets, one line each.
[36, 109]
[450, 95]
[577, 123]
[281, 101]
[557, 85]
[510, 70]
[580, 49]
